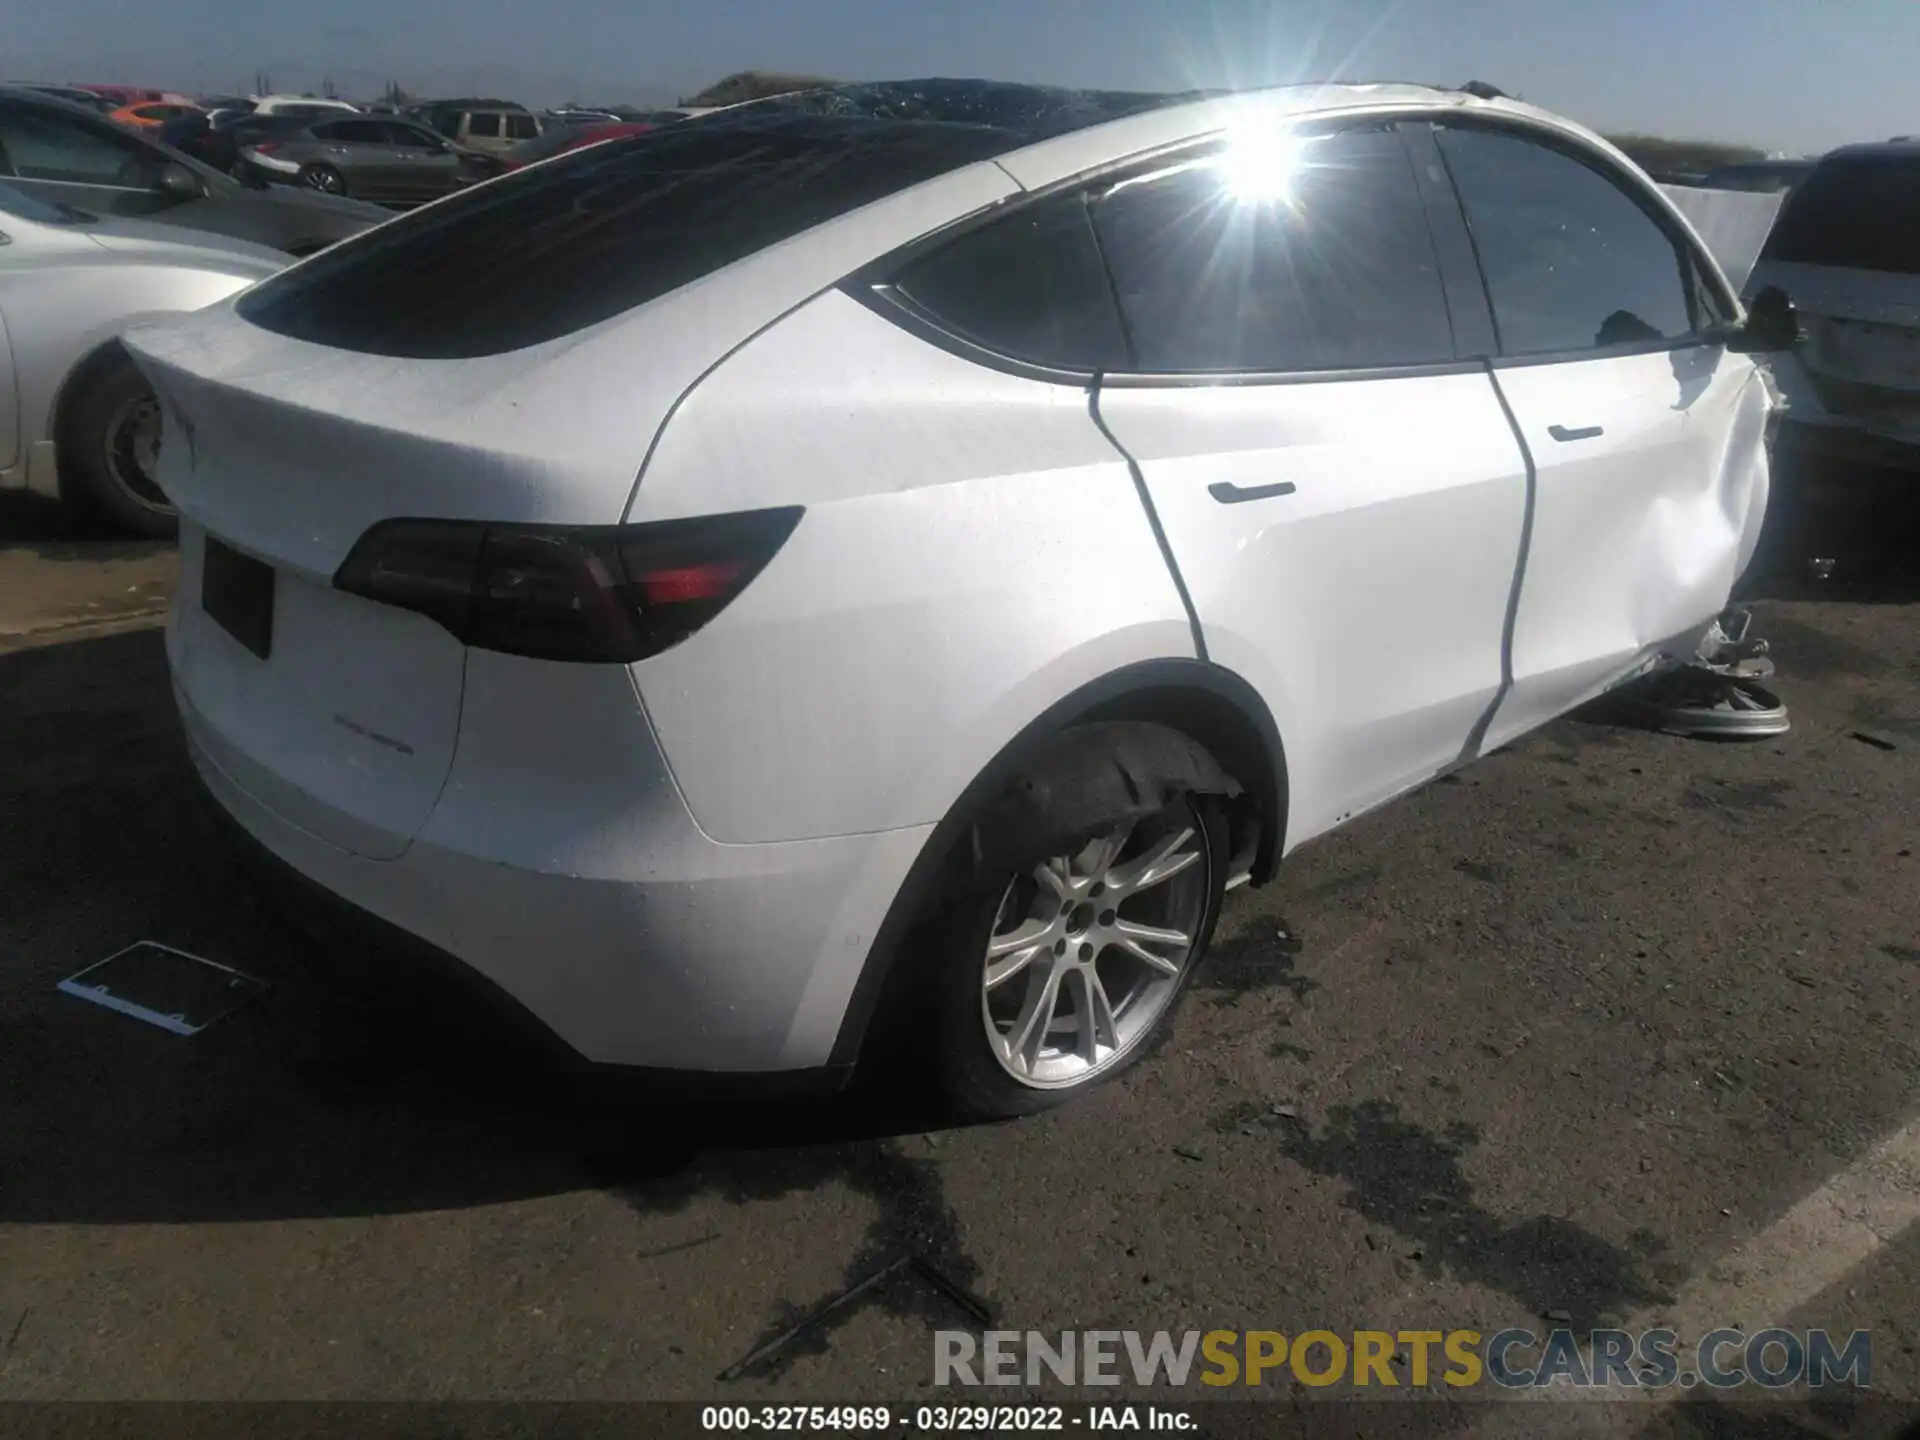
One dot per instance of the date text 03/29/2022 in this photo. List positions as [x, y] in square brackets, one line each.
[944, 1419]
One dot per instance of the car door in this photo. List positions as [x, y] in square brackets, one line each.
[425, 166]
[520, 126]
[1646, 436]
[67, 158]
[362, 153]
[1343, 497]
[482, 130]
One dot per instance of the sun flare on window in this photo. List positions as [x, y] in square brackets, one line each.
[1262, 164]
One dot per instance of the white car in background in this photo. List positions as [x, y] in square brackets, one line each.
[77, 421]
[302, 106]
[1846, 249]
[825, 572]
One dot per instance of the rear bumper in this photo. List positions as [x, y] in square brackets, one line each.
[382, 960]
[639, 944]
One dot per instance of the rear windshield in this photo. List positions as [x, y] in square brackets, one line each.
[545, 252]
[1856, 212]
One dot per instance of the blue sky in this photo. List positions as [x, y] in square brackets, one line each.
[1783, 74]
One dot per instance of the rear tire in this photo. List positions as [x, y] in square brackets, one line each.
[110, 447]
[1054, 972]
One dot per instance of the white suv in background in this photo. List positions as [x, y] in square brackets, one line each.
[825, 569]
[1846, 249]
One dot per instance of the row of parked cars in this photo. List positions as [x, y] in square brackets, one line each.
[558, 563]
[104, 223]
[382, 153]
[399, 160]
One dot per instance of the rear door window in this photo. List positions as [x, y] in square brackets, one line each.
[484, 125]
[411, 136]
[521, 127]
[1572, 261]
[1312, 257]
[549, 250]
[1030, 286]
[351, 132]
[1855, 212]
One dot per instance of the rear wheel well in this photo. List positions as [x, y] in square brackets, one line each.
[1224, 728]
[1210, 706]
[81, 379]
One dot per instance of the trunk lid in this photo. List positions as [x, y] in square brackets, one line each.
[287, 453]
[346, 726]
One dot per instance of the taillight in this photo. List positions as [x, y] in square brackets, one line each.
[603, 593]
[267, 147]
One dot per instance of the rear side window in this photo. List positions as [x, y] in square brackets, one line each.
[1313, 258]
[1030, 286]
[353, 132]
[521, 127]
[1572, 261]
[40, 145]
[546, 251]
[1855, 212]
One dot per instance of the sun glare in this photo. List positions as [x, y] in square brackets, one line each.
[1261, 164]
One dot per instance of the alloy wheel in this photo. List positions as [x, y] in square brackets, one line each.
[1088, 951]
[133, 452]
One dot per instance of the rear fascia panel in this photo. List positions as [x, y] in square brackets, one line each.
[347, 728]
[561, 864]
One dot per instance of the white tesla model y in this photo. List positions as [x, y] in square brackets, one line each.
[888, 560]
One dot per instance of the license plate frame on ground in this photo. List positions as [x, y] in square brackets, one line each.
[180, 993]
[236, 591]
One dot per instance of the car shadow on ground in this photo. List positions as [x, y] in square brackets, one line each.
[52, 532]
[305, 1102]
[1840, 533]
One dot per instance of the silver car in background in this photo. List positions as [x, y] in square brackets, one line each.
[78, 422]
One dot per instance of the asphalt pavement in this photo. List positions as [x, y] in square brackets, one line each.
[1612, 1027]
